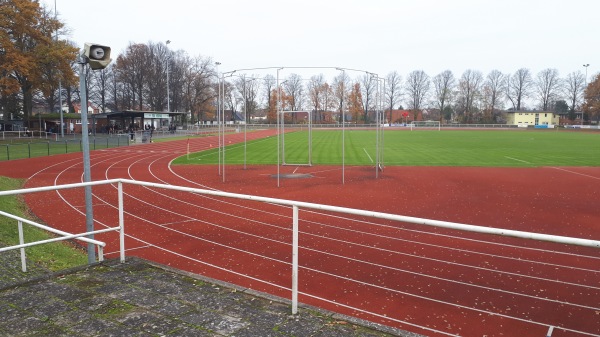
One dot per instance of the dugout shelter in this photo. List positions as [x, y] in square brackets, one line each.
[121, 120]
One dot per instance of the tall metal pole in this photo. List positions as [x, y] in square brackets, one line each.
[219, 98]
[584, 88]
[343, 79]
[223, 128]
[245, 117]
[168, 91]
[62, 130]
[87, 176]
[278, 108]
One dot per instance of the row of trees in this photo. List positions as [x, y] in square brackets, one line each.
[34, 60]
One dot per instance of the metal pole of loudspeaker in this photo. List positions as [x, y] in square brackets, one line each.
[87, 177]
[60, 111]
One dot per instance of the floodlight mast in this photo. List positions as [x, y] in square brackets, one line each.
[221, 133]
[217, 64]
[278, 108]
[343, 126]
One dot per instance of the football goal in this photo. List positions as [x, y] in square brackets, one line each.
[425, 125]
[281, 148]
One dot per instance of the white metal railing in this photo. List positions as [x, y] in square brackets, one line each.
[62, 235]
[295, 205]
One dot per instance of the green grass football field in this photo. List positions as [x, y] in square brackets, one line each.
[491, 148]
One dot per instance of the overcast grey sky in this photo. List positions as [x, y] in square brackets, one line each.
[374, 35]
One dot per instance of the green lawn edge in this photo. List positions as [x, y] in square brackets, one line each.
[53, 256]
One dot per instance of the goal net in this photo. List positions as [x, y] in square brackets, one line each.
[425, 125]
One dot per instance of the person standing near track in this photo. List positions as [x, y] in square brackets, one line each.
[131, 131]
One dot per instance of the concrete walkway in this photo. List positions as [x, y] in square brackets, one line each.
[139, 298]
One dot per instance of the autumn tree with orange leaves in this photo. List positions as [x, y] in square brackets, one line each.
[355, 103]
[591, 106]
[31, 59]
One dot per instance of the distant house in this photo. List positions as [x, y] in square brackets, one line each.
[565, 120]
[91, 108]
[402, 116]
[533, 118]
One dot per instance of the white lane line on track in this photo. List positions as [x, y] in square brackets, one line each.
[362, 282]
[460, 249]
[128, 250]
[467, 251]
[176, 222]
[424, 275]
[359, 281]
[232, 271]
[573, 172]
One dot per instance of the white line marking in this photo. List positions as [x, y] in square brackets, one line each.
[522, 161]
[371, 159]
[581, 174]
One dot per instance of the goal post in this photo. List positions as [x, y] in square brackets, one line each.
[425, 125]
[281, 142]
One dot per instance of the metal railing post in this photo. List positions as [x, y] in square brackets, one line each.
[22, 241]
[100, 253]
[121, 222]
[295, 262]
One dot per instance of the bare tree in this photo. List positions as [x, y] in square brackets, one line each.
[197, 86]
[230, 100]
[340, 90]
[518, 87]
[417, 88]
[268, 85]
[469, 89]
[132, 72]
[100, 85]
[443, 85]
[248, 88]
[327, 99]
[493, 89]
[294, 88]
[315, 91]
[574, 86]
[547, 86]
[155, 83]
[368, 87]
[393, 92]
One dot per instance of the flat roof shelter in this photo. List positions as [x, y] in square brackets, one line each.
[139, 118]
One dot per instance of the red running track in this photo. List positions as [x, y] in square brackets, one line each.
[429, 281]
